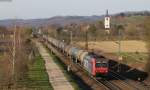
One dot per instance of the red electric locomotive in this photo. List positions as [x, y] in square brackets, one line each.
[95, 65]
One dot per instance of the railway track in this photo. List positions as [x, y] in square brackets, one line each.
[94, 84]
[110, 85]
[101, 84]
[106, 83]
[130, 84]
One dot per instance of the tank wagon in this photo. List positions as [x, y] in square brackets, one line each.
[93, 64]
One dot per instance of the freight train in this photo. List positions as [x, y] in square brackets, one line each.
[93, 64]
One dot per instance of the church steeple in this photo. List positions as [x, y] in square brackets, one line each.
[107, 13]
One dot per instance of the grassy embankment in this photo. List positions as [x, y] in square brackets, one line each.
[37, 77]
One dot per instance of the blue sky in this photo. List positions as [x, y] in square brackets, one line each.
[27, 9]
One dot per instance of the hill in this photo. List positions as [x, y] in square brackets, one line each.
[58, 20]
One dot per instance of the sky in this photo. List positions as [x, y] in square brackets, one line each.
[32, 9]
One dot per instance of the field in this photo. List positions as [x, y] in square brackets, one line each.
[134, 52]
[112, 46]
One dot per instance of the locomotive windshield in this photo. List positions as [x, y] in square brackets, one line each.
[101, 64]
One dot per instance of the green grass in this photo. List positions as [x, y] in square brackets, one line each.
[37, 77]
[134, 57]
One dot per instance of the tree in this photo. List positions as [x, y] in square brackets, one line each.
[147, 39]
[120, 29]
[22, 52]
[92, 31]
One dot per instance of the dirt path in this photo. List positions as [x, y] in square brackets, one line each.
[56, 76]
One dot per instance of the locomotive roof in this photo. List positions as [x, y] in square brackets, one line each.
[99, 58]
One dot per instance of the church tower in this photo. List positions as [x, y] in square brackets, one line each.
[107, 21]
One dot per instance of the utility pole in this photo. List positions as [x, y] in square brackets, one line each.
[71, 37]
[86, 38]
[69, 66]
[14, 53]
[119, 38]
[119, 50]
[71, 27]
[19, 37]
[46, 34]
[119, 28]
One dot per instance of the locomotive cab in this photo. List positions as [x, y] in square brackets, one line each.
[101, 68]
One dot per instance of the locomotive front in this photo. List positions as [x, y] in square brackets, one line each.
[101, 67]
